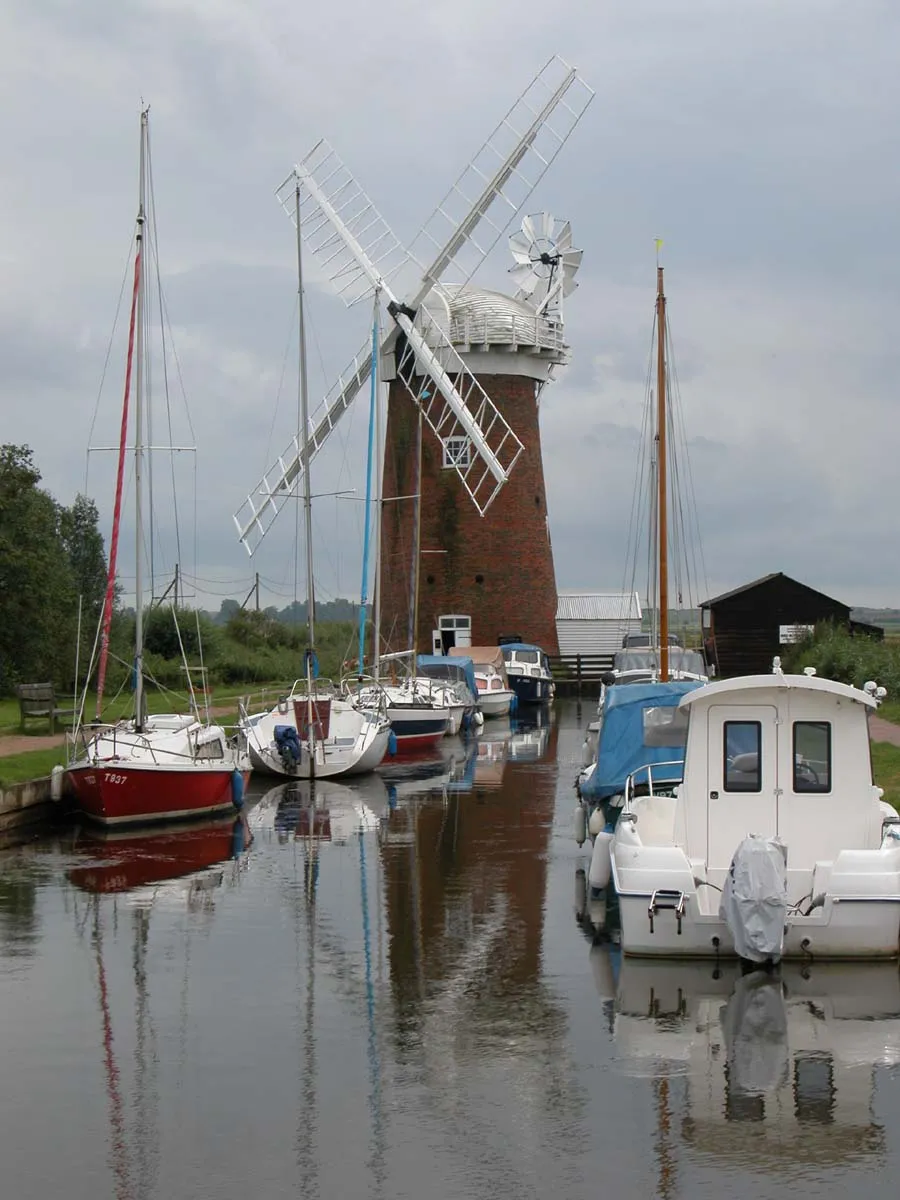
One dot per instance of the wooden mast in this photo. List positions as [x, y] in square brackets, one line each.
[663, 533]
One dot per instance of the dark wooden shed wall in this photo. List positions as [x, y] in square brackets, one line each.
[744, 624]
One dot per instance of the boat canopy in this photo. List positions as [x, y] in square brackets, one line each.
[481, 656]
[640, 725]
[527, 647]
[453, 670]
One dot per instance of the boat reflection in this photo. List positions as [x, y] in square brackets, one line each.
[325, 810]
[789, 1058]
[121, 861]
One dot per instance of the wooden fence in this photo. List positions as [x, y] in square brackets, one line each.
[579, 674]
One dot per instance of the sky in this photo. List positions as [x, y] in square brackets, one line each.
[757, 139]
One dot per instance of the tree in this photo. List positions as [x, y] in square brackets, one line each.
[37, 590]
[79, 527]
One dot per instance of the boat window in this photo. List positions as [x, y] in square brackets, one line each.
[212, 749]
[812, 756]
[526, 656]
[742, 745]
[665, 726]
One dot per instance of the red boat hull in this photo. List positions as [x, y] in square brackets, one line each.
[122, 794]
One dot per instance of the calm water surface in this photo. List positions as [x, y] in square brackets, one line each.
[391, 996]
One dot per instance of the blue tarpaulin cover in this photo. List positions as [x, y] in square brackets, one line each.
[442, 666]
[629, 740]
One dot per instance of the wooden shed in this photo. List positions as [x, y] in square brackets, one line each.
[744, 629]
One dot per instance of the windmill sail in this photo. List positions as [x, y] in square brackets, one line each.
[489, 192]
[428, 354]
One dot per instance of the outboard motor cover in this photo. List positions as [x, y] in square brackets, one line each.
[754, 899]
[287, 743]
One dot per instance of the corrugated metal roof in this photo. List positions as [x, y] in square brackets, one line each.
[598, 606]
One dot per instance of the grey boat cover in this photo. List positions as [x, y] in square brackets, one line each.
[754, 898]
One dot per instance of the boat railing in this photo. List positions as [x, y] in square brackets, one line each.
[644, 776]
[352, 686]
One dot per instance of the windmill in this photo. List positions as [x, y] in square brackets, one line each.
[361, 258]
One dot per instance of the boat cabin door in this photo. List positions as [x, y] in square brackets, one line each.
[454, 629]
[742, 778]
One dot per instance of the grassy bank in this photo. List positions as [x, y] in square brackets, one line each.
[886, 771]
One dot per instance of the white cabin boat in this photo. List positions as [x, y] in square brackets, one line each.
[777, 771]
[495, 696]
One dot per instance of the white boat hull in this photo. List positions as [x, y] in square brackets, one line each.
[859, 919]
[494, 704]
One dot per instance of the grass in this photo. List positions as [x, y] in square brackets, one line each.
[157, 702]
[886, 771]
[32, 764]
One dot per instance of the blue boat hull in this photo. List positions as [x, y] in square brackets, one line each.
[531, 691]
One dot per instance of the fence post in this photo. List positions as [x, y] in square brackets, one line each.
[578, 674]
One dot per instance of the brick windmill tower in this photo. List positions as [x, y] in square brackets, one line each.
[452, 573]
[466, 368]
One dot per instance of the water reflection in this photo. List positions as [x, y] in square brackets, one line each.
[774, 1071]
[465, 889]
[122, 861]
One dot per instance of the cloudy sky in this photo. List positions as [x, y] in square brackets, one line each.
[757, 138]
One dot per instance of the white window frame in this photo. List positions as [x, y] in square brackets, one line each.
[457, 451]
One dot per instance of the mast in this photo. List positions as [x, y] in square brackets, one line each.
[307, 498]
[662, 528]
[416, 552]
[367, 525]
[379, 484]
[139, 449]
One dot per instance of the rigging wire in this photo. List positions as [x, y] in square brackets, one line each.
[109, 346]
[154, 245]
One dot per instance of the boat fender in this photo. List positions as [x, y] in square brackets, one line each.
[597, 822]
[601, 863]
[237, 789]
[392, 744]
[56, 782]
[479, 720]
[514, 703]
[579, 824]
[282, 704]
[580, 895]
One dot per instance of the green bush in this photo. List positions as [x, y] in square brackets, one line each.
[849, 658]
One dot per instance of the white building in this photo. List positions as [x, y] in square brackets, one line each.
[595, 622]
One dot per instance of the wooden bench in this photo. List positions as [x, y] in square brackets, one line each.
[38, 701]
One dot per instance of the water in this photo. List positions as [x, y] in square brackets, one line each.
[409, 1010]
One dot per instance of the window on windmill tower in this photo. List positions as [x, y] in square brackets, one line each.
[457, 452]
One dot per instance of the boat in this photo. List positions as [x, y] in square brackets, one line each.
[347, 740]
[312, 732]
[642, 665]
[776, 843]
[147, 768]
[495, 697]
[642, 733]
[457, 677]
[528, 672]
